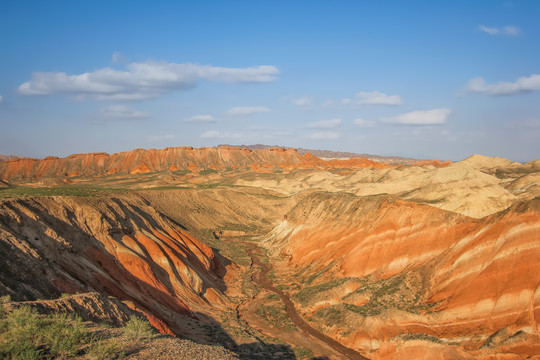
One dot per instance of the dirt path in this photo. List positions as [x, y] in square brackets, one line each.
[261, 279]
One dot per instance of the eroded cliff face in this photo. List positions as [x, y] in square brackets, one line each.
[394, 277]
[142, 161]
[118, 246]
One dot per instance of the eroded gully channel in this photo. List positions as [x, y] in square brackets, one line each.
[261, 279]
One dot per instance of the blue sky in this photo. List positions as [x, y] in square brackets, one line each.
[425, 79]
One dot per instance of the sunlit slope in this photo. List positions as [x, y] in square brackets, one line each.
[372, 269]
[476, 187]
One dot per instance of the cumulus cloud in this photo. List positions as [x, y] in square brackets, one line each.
[141, 80]
[363, 123]
[324, 135]
[216, 134]
[303, 102]
[325, 124]
[505, 30]
[200, 119]
[247, 110]
[122, 112]
[373, 98]
[429, 117]
[521, 85]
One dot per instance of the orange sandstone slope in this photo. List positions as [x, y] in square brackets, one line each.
[143, 161]
[379, 272]
[116, 246]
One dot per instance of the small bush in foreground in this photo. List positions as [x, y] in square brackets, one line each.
[105, 351]
[138, 328]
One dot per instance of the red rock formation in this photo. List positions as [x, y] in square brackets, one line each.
[143, 161]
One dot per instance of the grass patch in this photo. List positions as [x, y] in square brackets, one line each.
[272, 297]
[83, 191]
[102, 350]
[419, 336]
[26, 335]
[138, 329]
[208, 172]
[309, 293]
[303, 353]
[276, 316]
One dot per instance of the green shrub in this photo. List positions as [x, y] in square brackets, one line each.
[137, 328]
[24, 334]
[65, 333]
[208, 172]
[105, 351]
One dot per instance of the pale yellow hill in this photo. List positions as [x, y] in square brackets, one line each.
[476, 187]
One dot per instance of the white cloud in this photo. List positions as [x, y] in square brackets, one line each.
[329, 104]
[303, 102]
[141, 80]
[521, 85]
[324, 135]
[505, 30]
[201, 119]
[215, 134]
[373, 98]
[429, 117]
[1, 99]
[247, 110]
[122, 112]
[118, 58]
[325, 124]
[363, 123]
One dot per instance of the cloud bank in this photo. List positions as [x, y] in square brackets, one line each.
[325, 124]
[200, 119]
[324, 135]
[429, 117]
[247, 110]
[521, 85]
[373, 98]
[141, 81]
[216, 134]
